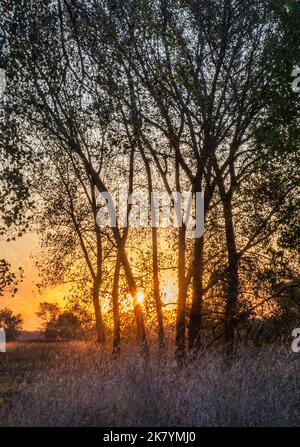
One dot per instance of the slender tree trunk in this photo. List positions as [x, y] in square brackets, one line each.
[233, 267]
[156, 290]
[233, 277]
[195, 323]
[156, 287]
[116, 312]
[155, 277]
[98, 278]
[180, 340]
[181, 304]
[98, 314]
[138, 311]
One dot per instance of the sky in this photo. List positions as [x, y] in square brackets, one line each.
[22, 253]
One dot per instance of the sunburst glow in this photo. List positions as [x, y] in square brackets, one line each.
[140, 297]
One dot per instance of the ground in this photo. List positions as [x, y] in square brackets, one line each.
[81, 384]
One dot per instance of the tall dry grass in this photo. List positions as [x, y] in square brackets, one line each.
[82, 385]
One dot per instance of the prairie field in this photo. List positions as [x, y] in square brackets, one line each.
[81, 384]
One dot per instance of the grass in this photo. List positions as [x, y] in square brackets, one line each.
[79, 384]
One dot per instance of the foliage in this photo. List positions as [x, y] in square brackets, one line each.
[168, 95]
[60, 324]
[11, 323]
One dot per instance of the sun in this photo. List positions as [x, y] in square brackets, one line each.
[140, 297]
[169, 296]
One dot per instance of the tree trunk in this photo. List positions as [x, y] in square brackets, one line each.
[116, 312]
[180, 340]
[181, 304]
[138, 311]
[155, 275]
[232, 255]
[233, 278]
[195, 323]
[156, 291]
[156, 288]
[98, 314]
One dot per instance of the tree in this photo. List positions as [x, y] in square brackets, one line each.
[14, 195]
[70, 209]
[60, 324]
[192, 93]
[56, 107]
[48, 313]
[11, 323]
[8, 279]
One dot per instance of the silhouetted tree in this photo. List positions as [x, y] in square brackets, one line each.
[11, 323]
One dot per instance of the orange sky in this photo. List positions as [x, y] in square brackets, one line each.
[20, 254]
